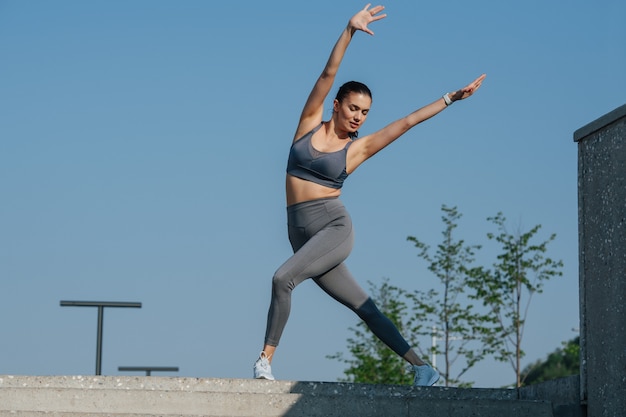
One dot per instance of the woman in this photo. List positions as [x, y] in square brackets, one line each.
[322, 155]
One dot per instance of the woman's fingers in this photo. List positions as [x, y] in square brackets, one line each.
[377, 9]
[473, 86]
[367, 16]
[374, 12]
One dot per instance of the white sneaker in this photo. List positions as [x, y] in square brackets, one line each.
[262, 368]
[425, 376]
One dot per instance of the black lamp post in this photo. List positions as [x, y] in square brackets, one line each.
[101, 305]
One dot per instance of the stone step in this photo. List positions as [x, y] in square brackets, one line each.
[117, 396]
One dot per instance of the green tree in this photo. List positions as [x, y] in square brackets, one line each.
[464, 332]
[507, 289]
[370, 360]
[562, 362]
[468, 335]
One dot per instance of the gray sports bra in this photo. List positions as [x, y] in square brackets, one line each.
[324, 168]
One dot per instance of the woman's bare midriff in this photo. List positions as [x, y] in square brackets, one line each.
[299, 190]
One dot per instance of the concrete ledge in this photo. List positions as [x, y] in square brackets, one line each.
[252, 386]
[168, 396]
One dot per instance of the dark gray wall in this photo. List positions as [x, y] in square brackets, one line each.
[602, 263]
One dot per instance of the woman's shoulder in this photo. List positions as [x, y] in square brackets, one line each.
[305, 130]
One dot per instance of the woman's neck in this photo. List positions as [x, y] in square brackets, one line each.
[333, 131]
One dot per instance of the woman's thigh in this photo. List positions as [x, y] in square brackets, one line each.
[340, 284]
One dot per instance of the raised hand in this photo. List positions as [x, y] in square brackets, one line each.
[364, 17]
[468, 90]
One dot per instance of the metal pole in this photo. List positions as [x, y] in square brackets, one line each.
[99, 341]
[149, 369]
[434, 346]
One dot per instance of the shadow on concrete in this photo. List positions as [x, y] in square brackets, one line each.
[316, 399]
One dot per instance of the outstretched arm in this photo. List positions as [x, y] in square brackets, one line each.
[368, 146]
[313, 109]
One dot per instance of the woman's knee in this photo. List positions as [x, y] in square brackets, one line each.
[282, 283]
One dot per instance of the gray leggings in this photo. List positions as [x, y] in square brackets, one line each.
[320, 232]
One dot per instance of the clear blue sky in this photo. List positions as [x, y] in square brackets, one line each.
[142, 154]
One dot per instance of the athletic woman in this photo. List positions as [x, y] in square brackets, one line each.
[322, 155]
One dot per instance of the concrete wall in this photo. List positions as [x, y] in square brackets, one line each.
[562, 393]
[110, 396]
[602, 263]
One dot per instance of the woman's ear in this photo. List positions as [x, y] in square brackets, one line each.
[335, 106]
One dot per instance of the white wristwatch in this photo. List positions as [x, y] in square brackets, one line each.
[447, 99]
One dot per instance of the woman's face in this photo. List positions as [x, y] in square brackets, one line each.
[352, 111]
